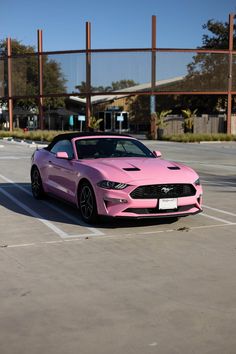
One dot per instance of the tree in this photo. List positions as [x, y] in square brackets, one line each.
[189, 119]
[161, 123]
[209, 71]
[25, 76]
[220, 38]
[115, 86]
[122, 84]
[95, 123]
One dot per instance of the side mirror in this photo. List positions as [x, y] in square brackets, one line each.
[157, 153]
[62, 155]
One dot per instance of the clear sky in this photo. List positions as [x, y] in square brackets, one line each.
[114, 24]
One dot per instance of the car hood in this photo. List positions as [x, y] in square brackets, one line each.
[127, 170]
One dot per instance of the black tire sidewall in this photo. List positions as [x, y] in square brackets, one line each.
[94, 216]
[40, 194]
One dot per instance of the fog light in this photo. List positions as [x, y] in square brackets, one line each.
[116, 200]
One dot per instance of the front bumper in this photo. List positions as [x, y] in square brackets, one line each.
[118, 203]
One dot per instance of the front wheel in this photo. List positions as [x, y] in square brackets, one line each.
[36, 184]
[87, 203]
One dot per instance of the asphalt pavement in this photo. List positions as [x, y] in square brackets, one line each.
[122, 287]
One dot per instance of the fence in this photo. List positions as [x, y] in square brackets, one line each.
[208, 124]
[89, 73]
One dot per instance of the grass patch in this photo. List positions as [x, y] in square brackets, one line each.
[37, 135]
[47, 136]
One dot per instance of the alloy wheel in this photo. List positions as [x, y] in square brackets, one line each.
[87, 203]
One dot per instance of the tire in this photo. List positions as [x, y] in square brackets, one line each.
[87, 203]
[36, 184]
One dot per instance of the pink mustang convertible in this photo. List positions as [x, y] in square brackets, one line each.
[114, 175]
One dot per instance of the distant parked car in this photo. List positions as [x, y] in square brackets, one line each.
[114, 175]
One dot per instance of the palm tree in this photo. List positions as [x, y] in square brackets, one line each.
[188, 119]
[161, 123]
[95, 123]
[160, 118]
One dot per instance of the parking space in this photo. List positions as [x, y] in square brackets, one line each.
[57, 221]
[146, 286]
[52, 219]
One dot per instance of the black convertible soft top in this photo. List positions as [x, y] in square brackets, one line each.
[70, 136]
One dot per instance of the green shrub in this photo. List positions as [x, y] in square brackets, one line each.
[48, 135]
[37, 135]
[191, 138]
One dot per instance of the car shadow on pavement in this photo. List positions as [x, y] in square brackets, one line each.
[115, 223]
[17, 198]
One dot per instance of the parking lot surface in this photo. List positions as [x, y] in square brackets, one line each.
[146, 286]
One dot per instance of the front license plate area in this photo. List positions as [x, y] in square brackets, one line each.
[168, 203]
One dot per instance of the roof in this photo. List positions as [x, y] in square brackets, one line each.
[61, 112]
[70, 136]
[23, 111]
[112, 96]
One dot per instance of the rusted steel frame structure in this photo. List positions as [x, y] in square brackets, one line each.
[9, 84]
[88, 74]
[153, 50]
[153, 81]
[129, 50]
[40, 70]
[231, 38]
[154, 45]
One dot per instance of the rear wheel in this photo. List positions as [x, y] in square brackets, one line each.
[87, 203]
[36, 184]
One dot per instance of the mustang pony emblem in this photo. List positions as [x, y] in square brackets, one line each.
[166, 189]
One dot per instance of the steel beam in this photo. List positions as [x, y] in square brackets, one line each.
[88, 74]
[40, 75]
[153, 82]
[229, 105]
[9, 84]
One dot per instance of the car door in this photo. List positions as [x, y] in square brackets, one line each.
[61, 174]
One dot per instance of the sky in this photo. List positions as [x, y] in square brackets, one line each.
[114, 24]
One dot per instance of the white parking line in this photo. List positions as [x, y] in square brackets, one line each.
[30, 211]
[94, 231]
[217, 219]
[62, 234]
[75, 220]
[110, 236]
[220, 183]
[206, 164]
[13, 157]
[219, 210]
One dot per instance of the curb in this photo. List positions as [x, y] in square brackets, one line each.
[29, 143]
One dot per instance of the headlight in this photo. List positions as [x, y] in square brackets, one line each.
[112, 185]
[197, 182]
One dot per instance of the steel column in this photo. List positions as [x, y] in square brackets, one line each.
[153, 52]
[88, 74]
[153, 82]
[229, 105]
[40, 75]
[9, 84]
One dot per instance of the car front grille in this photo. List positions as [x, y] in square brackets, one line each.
[158, 191]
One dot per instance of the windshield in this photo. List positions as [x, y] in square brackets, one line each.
[111, 147]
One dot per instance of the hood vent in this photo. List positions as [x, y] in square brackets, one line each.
[131, 169]
[173, 168]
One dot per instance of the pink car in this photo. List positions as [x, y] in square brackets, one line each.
[114, 175]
